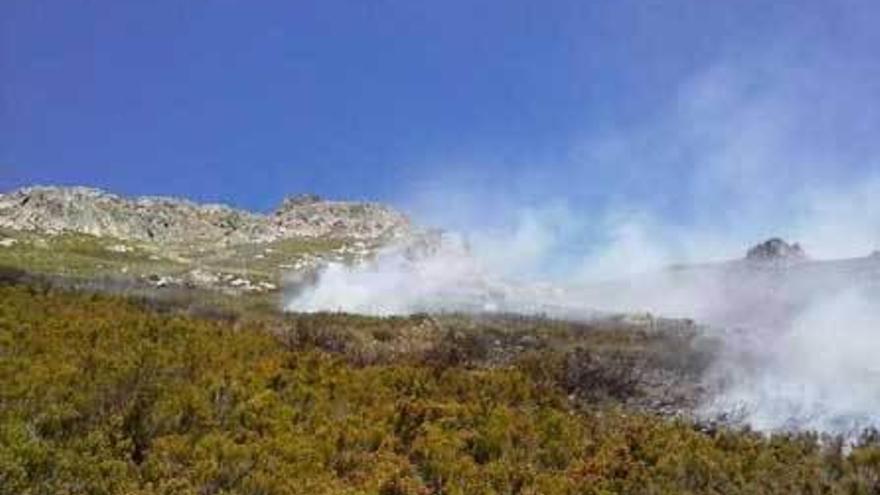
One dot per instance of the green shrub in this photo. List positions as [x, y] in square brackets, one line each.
[101, 395]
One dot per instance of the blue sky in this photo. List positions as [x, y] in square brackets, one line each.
[683, 108]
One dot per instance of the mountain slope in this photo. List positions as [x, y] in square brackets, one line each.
[765, 288]
[85, 232]
[175, 221]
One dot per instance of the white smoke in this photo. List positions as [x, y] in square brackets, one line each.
[820, 373]
[442, 276]
[801, 342]
[760, 148]
[398, 281]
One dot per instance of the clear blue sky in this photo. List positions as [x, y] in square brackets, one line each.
[588, 101]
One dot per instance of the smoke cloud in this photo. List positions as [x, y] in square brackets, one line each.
[819, 373]
[780, 145]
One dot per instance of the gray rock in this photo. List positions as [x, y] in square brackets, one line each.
[169, 221]
[776, 249]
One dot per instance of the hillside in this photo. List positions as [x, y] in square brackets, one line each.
[773, 282]
[88, 233]
[103, 395]
[186, 377]
[766, 313]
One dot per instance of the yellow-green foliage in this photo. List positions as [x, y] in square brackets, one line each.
[83, 255]
[80, 255]
[99, 395]
[263, 261]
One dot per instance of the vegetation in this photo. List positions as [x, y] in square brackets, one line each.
[262, 261]
[85, 256]
[80, 255]
[103, 395]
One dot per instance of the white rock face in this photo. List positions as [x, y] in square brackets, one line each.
[178, 222]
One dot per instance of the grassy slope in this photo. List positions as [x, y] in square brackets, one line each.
[86, 256]
[104, 395]
[264, 262]
[80, 255]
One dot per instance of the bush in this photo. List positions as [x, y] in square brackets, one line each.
[102, 396]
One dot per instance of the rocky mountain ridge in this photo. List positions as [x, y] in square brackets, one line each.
[91, 234]
[172, 221]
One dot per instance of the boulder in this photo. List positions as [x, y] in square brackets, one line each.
[775, 250]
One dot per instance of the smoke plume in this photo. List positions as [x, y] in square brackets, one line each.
[779, 145]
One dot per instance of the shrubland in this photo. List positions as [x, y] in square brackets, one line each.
[104, 394]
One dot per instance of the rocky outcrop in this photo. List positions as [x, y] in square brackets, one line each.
[776, 250]
[311, 216]
[173, 221]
